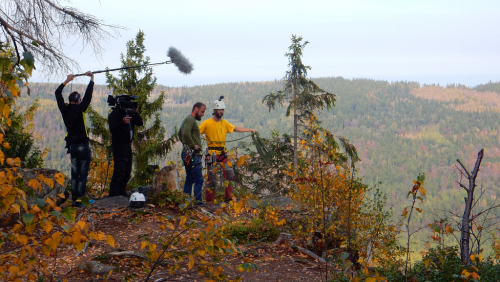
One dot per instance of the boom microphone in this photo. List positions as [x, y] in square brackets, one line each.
[181, 62]
[176, 58]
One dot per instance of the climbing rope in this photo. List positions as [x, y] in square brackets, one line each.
[253, 133]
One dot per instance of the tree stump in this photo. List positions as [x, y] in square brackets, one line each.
[166, 178]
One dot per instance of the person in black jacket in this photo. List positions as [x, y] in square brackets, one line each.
[122, 124]
[77, 138]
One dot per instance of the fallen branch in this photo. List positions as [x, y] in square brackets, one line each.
[256, 242]
[287, 239]
[311, 255]
[128, 253]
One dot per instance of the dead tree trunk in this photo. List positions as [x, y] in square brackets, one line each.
[466, 218]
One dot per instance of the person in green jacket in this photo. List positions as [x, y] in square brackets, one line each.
[191, 157]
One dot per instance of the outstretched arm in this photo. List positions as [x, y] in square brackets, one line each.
[244, 129]
[88, 93]
[59, 97]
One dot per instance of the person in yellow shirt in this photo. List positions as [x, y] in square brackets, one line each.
[215, 130]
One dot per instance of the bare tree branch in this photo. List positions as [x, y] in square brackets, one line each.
[486, 210]
[463, 186]
[466, 171]
[42, 26]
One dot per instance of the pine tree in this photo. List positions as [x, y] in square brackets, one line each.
[302, 94]
[149, 142]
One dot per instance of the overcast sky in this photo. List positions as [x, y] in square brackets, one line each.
[233, 41]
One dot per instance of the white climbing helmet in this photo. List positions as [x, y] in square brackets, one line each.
[137, 200]
[218, 104]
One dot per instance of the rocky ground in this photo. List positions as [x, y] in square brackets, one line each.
[112, 216]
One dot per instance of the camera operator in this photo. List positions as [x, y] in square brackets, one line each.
[77, 138]
[122, 124]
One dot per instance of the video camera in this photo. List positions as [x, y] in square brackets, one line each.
[123, 101]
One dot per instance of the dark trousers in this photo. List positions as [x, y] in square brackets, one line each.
[122, 157]
[194, 176]
[80, 163]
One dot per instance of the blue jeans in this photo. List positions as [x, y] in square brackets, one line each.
[194, 176]
[80, 163]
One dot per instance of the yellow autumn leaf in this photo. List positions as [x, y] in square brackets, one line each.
[93, 235]
[480, 257]
[183, 220]
[76, 237]
[46, 250]
[13, 90]
[371, 279]
[110, 240]
[10, 161]
[201, 252]
[229, 164]
[6, 111]
[241, 161]
[49, 182]
[191, 264]
[422, 191]
[1, 138]
[237, 207]
[23, 239]
[152, 247]
[59, 179]
[240, 268]
[80, 225]
[170, 225]
[47, 226]
[6, 145]
[80, 246]
[14, 270]
[144, 244]
[15, 208]
[35, 184]
[6, 189]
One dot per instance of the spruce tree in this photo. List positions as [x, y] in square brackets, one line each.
[149, 141]
[302, 94]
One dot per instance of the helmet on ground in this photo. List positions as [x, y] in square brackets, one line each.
[218, 104]
[137, 200]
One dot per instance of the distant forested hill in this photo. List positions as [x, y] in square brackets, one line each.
[400, 129]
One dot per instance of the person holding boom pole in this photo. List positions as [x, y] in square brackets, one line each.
[77, 137]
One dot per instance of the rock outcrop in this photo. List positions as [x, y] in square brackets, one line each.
[46, 191]
[166, 178]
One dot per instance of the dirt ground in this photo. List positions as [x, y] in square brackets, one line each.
[273, 263]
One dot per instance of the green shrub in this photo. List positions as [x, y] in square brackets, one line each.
[443, 265]
[257, 229]
[167, 196]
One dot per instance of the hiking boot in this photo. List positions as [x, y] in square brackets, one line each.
[77, 205]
